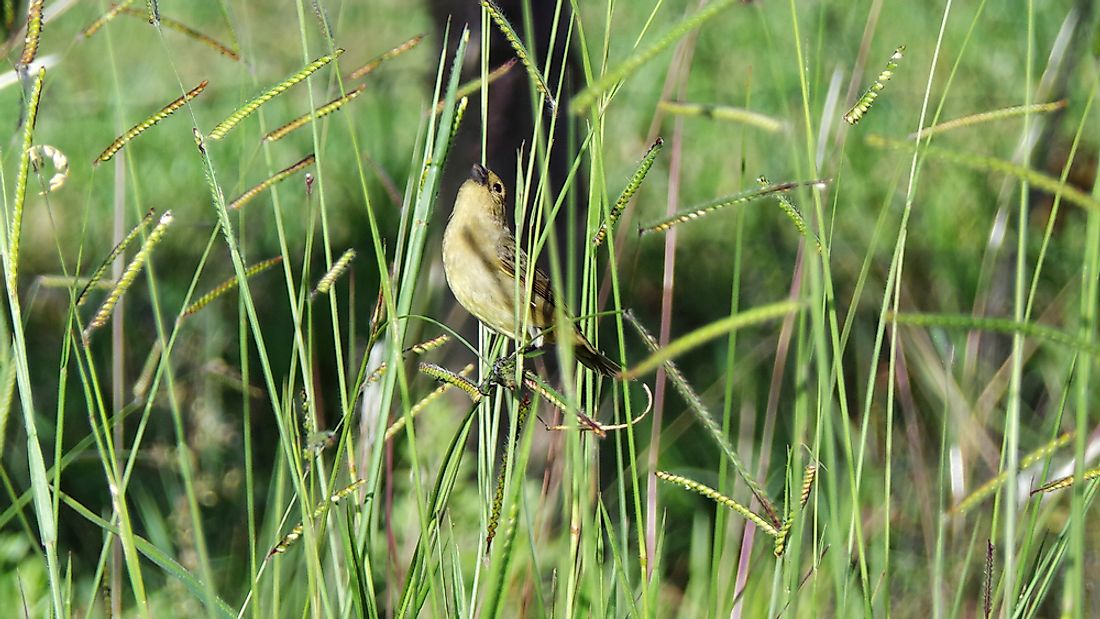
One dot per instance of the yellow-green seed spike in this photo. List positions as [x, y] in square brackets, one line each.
[808, 478]
[21, 180]
[428, 345]
[247, 109]
[460, 112]
[129, 275]
[990, 116]
[520, 50]
[793, 214]
[115, 253]
[112, 13]
[718, 497]
[228, 285]
[988, 488]
[474, 85]
[377, 61]
[417, 408]
[707, 208]
[498, 494]
[279, 176]
[444, 375]
[34, 34]
[334, 273]
[166, 111]
[190, 33]
[296, 533]
[152, 11]
[864, 103]
[539, 386]
[321, 112]
[628, 193]
[723, 112]
[1066, 482]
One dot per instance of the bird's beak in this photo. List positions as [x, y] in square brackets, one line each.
[479, 174]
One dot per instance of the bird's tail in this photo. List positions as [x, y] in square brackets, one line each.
[592, 358]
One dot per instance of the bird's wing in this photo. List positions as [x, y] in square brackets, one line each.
[513, 259]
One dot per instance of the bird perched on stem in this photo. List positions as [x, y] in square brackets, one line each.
[482, 262]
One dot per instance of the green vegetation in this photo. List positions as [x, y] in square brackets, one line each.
[859, 354]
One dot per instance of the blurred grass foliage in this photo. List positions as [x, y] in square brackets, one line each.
[905, 423]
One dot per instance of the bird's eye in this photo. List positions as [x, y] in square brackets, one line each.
[498, 188]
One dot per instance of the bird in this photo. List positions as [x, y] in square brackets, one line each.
[482, 262]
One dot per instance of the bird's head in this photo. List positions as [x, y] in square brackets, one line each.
[484, 191]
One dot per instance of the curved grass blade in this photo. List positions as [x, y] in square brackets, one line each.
[279, 176]
[111, 13]
[309, 117]
[998, 325]
[377, 61]
[21, 180]
[864, 103]
[228, 285]
[129, 275]
[334, 273]
[723, 112]
[520, 50]
[247, 109]
[188, 32]
[718, 497]
[34, 34]
[704, 416]
[709, 332]
[93, 281]
[988, 488]
[137, 129]
[990, 116]
[1036, 179]
[584, 99]
[628, 193]
[707, 208]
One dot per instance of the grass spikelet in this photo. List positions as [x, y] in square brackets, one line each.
[417, 408]
[21, 180]
[998, 325]
[498, 495]
[228, 285]
[704, 416]
[1036, 179]
[794, 215]
[718, 497]
[628, 193]
[129, 275]
[723, 112]
[584, 99]
[377, 61]
[335, 272]
[152, 11]
[34, 34]
[864, 103]
[474, 85]
[707, 208]
[111, 13]
[808, 477]
[279, 176]
[416, 349]
[115, 253]
[1067, 481]
[990, 116]
[38, 155]
[444, 375]
[520, 50]
[296, 533]
[988, 488]
[987, 581]
[247, 109]
[535, 383]
[309, 117]
[190, 33]
[137, 129]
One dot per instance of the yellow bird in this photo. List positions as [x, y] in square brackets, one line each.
[482, 262]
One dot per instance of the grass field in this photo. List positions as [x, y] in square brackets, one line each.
[859, 386]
